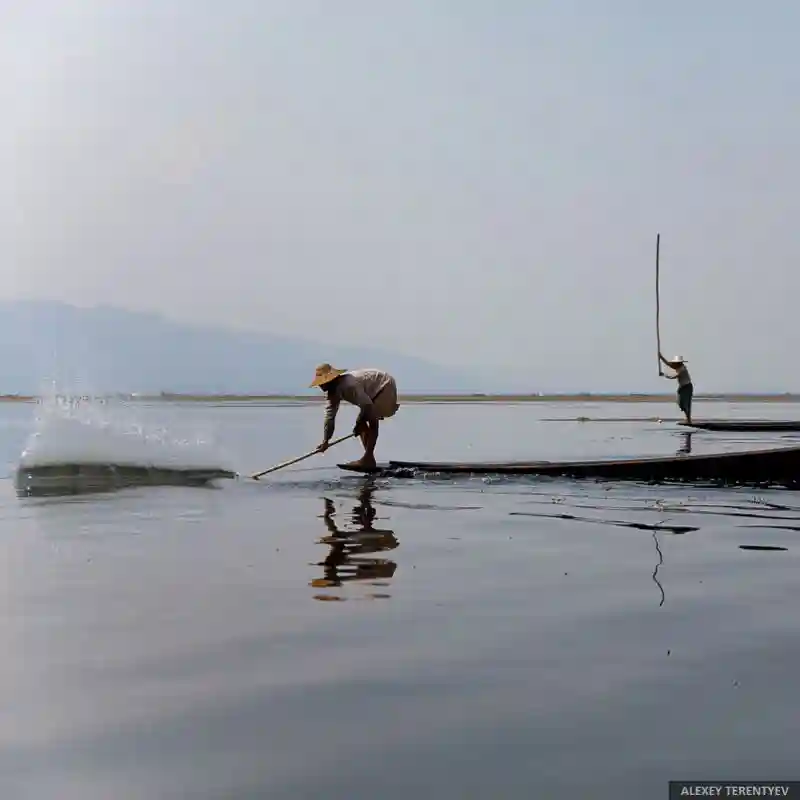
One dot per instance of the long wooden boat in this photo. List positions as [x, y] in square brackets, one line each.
[744, 425]
[779, 467]
[77, 478]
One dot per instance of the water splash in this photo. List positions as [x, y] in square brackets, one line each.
[90, 430]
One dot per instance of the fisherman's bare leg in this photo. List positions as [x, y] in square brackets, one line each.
[371, 441]
[369, 438]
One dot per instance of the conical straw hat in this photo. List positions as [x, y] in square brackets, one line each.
[325, 373]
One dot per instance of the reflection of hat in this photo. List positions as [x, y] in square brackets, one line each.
[679, 359]
[325, 373]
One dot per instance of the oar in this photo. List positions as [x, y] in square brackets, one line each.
[658, 308]
[299, 458]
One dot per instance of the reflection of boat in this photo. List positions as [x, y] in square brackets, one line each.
[744, 425]
[75, 478]
[779, 466]
[348, 560]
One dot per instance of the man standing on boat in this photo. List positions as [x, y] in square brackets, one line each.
[372, 390]
[685, 387]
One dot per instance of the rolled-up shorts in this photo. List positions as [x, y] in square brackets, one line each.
[685, 398]
[385, 402]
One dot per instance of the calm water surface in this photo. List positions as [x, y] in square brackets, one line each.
[329, 635]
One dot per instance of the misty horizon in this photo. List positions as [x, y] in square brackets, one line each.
[475, 186]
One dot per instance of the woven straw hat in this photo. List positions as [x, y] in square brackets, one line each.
[325, 373]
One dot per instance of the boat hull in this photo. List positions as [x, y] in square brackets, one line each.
[779, 466]
[744, 425]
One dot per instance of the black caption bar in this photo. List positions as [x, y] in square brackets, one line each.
[770, 789]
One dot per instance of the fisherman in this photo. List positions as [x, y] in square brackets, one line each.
[372, 390]
[685, 388]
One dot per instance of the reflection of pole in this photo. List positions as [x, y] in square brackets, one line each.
[655, 571]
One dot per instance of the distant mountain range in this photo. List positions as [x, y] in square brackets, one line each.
[107, 349]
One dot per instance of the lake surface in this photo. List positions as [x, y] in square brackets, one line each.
[322, 634]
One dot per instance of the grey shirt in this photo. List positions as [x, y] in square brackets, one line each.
[359, 387]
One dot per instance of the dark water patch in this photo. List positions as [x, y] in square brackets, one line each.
[605, 504]
[687, 504]
[748, 504]
[729, 513]
[775, 506]
[761, 547]
[676, 529]
[773, 527]
[426, 506]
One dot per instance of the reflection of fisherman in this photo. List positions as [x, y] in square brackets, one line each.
[346, 561]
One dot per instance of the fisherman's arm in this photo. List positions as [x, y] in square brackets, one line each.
[331, 409]
[671, 364]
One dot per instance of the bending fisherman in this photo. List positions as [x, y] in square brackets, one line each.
[685, 387]
[372, 390]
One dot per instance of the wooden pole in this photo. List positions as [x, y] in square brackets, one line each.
[658, 307]
[291, 461]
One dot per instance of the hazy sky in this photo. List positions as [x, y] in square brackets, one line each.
[475, 182]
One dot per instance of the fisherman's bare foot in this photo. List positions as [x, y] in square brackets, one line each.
[365, 462]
